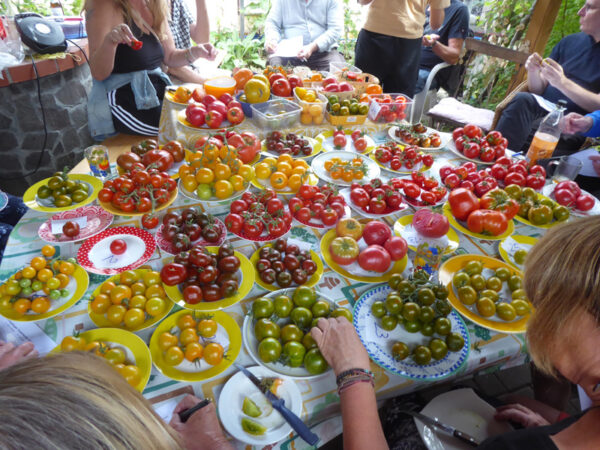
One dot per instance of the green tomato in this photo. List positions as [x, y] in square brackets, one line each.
[262, 308]
[294, 352]
[455, 342]
[442, 326]
[25, 282]
[321, 308]
[421, 355]
[478, 282]
[442, 307]
[412, 326]
[515, 282]
[204, 192]
[425, 296]
[342, 312]
[301, 316]
[494, 283]
[521, 306]
[283, 306]
[520, 256]
[54, 294]
[506, 311]
[308, 341]
[64, 292]
[393, 303]
[427, 329]
[502, 273]
[269, 350]
[304, 296]
[426, 314]
[410, 311]
[438, 348]
[395, 280]
[486, 307]
[388, 323]
[378, 309]
[473, 268]
[314, 362]
[264, 328]
[291, 332]
[400, 351]
[467, 295]
[461, 279]
[491, 294]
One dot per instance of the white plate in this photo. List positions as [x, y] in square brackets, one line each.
[450, 146]
[378, 342]
[373, 170]
[327, 143]
[231, 400]
[444, 137]
[346, 194]
[464, 410]
[548, 191]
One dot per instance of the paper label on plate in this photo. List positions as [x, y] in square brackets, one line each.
[57, 225]
[374, 109]
[414, 239]
[301, 244]
[20, 332]
[511, 246]
[351, 119]
[102, 258]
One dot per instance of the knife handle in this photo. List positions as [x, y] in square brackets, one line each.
[299, 427]
[466, 438]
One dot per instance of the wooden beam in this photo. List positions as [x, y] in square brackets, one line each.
[497, 51]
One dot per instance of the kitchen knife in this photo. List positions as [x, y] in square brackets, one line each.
[279, 404]
[444, 427]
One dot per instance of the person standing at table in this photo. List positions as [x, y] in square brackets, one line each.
[319, 22]
[128, 41]
[389, 44]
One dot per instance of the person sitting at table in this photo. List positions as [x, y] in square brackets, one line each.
[562, 281]
[320, 23]
[9, 217]
[443, 44]
[77, 400]
[571, 73]
[128, 41]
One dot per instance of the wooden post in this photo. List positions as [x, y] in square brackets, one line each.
[540, 25]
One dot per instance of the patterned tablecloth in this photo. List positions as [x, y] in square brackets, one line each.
[320, 401]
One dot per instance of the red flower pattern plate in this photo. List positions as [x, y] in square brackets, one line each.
[98, 219]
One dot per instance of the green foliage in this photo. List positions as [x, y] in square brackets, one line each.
[348, 40]
[70, 7]
[247, 52]
[567, 22]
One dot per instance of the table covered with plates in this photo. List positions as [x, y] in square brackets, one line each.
[320, 402]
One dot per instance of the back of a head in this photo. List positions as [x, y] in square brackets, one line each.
[76, 401]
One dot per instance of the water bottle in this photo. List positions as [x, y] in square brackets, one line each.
[56, 8]
[547, 135]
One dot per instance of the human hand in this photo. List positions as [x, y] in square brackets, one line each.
[270, 47]
[306, 51]
[339, 344]
[429, 39]
[553, 72]
[206, 51]
[202, 430]
[533, 65]
[576, 123]
[595, 159]
[121, 34]
[11, 355]
[518, 413]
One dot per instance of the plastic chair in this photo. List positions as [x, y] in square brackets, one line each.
[419, 99]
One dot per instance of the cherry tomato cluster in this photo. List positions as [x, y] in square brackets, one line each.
[189, 226]
[417, 135]
[184, 341]
[130, 298]
[159, 158]
[388, 109]
[470, 141]
[284, 264]
[421, 190]
[202, 275]
[290, 143]
[258, 216]
[467, 176]
[346, 170]
[115, 356]
[33, 288]
[376, 197]
[568, 193]
[138, 190]
[213, 112]
[400, 158]
[314, 205]
[509, 171]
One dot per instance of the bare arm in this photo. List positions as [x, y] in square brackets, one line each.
[449, 53]
[553, 72]
[436, 18]
[186, 74]
[179, 57]
[200, 31]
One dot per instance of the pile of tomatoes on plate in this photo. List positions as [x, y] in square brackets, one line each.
[138, 190]
[399, 158]
[203, 275]
[290, 143]
[181, 230]
[317, 206]
[358, 140]
[259, 217]
[467, 176]
[417, 135]
[284, 264]
[213, 112]
[388, 109]
[508, 171]
[420, 190]
[346, 170]
[152, 157]
[283, 172]
[470, 141]
[568, 193]
[376, 197]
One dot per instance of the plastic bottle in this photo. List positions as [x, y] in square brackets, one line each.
[56, 8]
[547, 135]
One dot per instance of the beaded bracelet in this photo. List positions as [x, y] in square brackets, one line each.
[353, 376]
[353, 381]
[356, 371]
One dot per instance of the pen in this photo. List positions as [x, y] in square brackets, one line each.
[187, 413]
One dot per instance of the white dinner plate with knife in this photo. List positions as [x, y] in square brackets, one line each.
[231, 402]
[463, 410]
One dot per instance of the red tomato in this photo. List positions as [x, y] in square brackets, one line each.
[458, 132]
[377, 205]
[235, 115]
[339, 141]
[535, 181]
[375, 258]
[428, 197]
[471, 150]
[359, 197]
[304, 215]
[570, 185]
[585, 202]
[483, 221]
[118, 247]
[307, 191]
[472, 131]
[214, 119]
[234, 223]
[295, 204]
[430, 224]
[195, 114]
[376, 232]
[397, 247]
[445, 171]
[487, 154]
[281, 88]
[356, 134]
[328, 216]
[70, 229]
[565, 197]
[462, 203]
[515, 178]
[412, 190]
[360, 144]
[499, 171]
[160, 159]
[253, 228]
[538, 169]
[428, 160]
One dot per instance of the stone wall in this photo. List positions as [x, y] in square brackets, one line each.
[22, 130]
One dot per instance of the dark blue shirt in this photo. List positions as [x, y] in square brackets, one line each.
[455, 26]
[579, 57]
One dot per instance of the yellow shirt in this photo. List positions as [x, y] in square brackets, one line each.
[400, 18]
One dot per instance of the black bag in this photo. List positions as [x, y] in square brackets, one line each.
[39, 34]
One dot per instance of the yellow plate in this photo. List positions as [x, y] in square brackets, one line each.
[423, 167]
[313, 180]
[505, 247]
[81, 280]
[314, 279]
[453, 265]
[456, 224]
[397, 266]
[328, 147]
[101, 321]
[247, 270]
[127, 339]
[117, 212]
[30, 196]
[316, 146]
[545, 226]
[403, 227]
[224, 320]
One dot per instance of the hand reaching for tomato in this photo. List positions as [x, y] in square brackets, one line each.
[202, 429]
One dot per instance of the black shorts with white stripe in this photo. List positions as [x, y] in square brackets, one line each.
[127, 118]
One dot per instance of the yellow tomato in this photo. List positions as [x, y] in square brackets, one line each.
[204, 176]
[318, 120]
[310, 96]
[257, 90]
[156, 290]
[301, 92]
[67, 268]
[28, 272]
[64, 280]
[40, 305]
[247, 172]
[315, 110]
[263, 170]
[189, 182]
[285, 168]
[270, 161]
[306, 118]
[38, 263]
[285, 158]
[222, 172]
[237, 181]
[185, 170]
[48, 250]
[107, 286]
[223, 189]
[300, 163]
[295, 182]
[278, 180]
[44, 275]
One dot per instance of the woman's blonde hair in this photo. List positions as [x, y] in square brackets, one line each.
[74, 401]
[562, 280]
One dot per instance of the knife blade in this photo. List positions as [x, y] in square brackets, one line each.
[279, 404]
[465, 437]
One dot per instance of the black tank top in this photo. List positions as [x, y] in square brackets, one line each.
[149, 57]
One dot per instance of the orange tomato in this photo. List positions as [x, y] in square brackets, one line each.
[241, 77]
[336, 173]
[186, 321]
[222, 172]
[40, 305]
[22, 305]
[285, 168]
[348, 175]
[306, 118]
[100, 304]
[318, 120]
[300, 163]
[120, 293]
[48, 250]
[234, 164]
[189, 182]
[295, 182]
[185, 170]
[28, 272]
[373, 88]
[279, 180]
[210, 152]
[316, 76]
[286, 158]
[328, 165]
[138, 288]
[38, 263]
[67, 268]
[106, 287]
[44, 275]
[315, 110]
[193, 351]
[223, 189]
[156, 290]
[166, 340]
[213, 353]
[187, 336]
[358, 174]
[298, 171]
